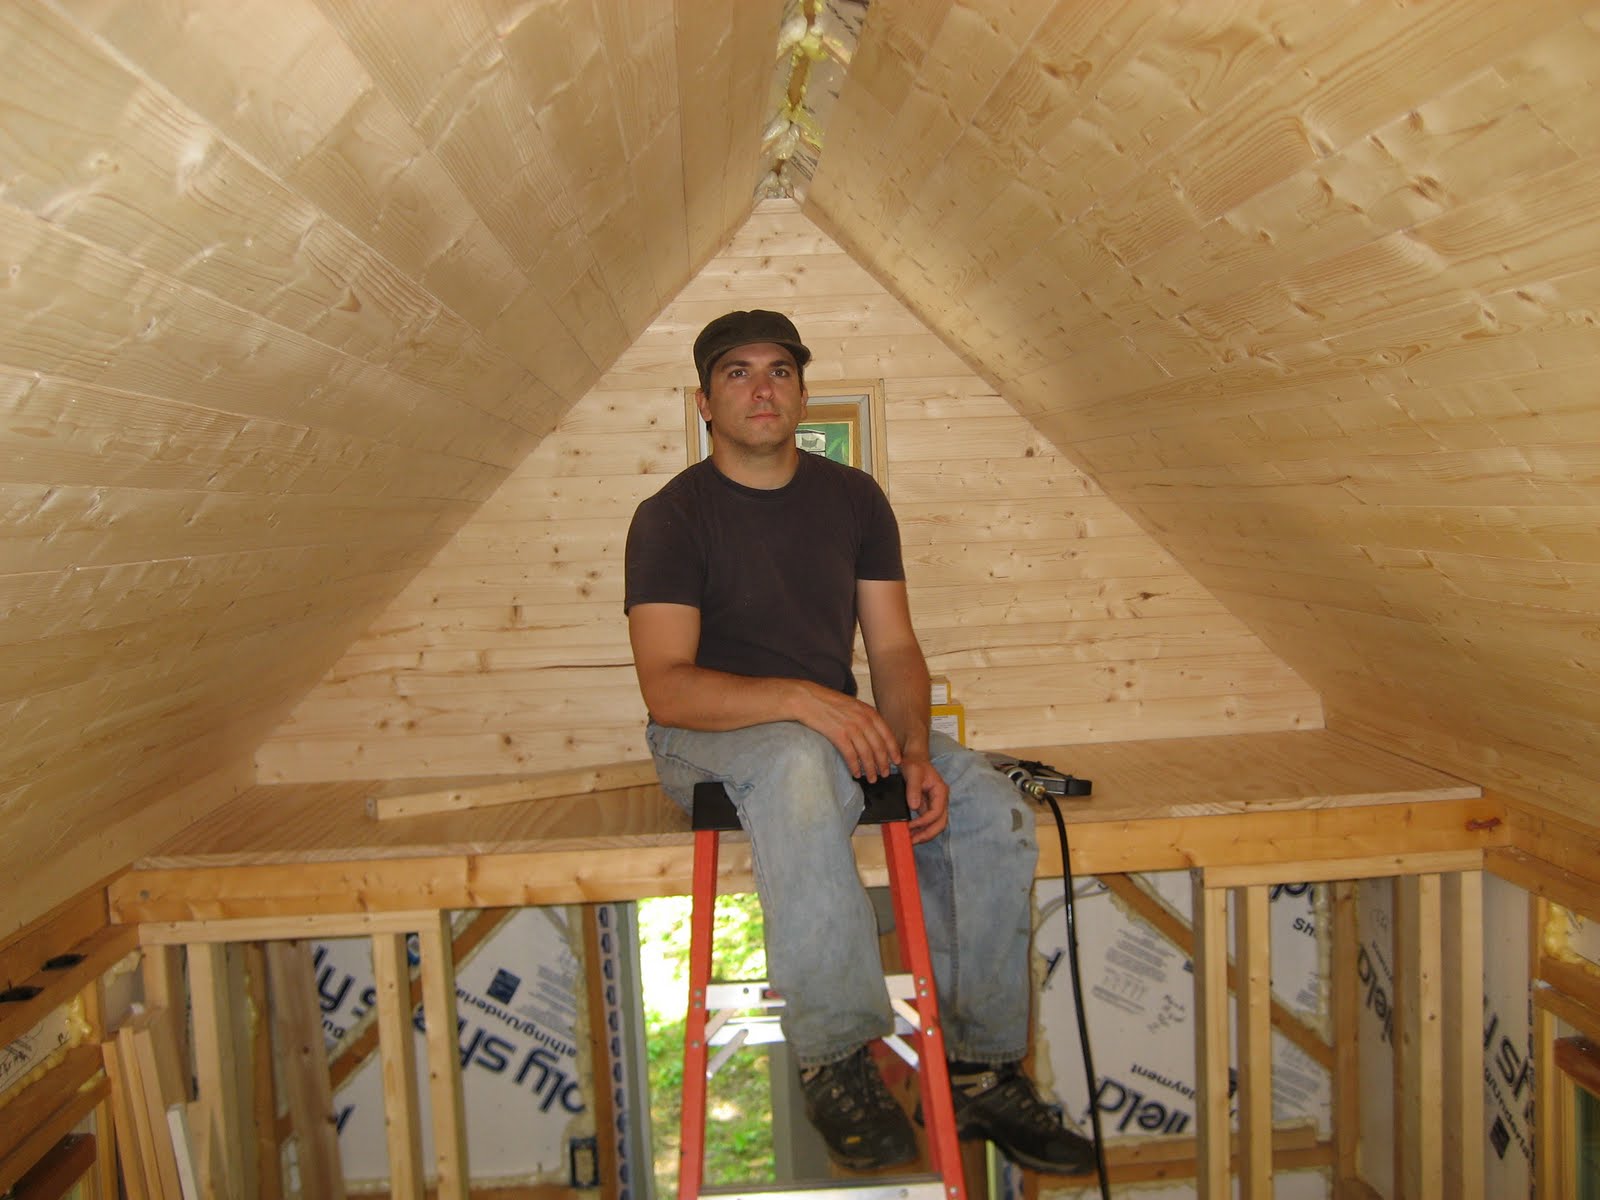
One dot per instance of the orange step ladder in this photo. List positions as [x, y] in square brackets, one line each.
[916, 1005]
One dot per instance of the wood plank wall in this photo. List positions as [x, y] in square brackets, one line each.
[290, 288]
[1310, 289]
[1055, 617]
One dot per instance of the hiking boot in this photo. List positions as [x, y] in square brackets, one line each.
[1001, 1105]
[858, 1119]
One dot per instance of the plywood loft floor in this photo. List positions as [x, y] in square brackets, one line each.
[1273, 798]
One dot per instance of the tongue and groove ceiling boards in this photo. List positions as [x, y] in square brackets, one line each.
[293, 286]
[290, 289]
[1053, 615]
[1311, 290]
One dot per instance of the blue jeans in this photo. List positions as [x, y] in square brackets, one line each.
[795, 797]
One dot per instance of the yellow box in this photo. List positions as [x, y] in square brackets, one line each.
[951, 719]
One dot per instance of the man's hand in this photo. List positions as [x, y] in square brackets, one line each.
[929, 798]
[857, 730]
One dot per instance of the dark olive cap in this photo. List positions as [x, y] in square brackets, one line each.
[735, 329]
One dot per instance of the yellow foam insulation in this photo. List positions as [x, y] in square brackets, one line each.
[37, 1052]
[1570, 938]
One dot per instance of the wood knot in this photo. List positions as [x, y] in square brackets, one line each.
[1478, 823]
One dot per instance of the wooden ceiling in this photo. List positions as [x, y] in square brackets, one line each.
[291, 287]
[1309, 289]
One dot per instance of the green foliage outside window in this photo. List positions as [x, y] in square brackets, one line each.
[739, 1104]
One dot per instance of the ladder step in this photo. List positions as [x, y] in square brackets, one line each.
[906, 1187]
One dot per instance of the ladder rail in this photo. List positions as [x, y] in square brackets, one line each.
[915, 1003]
[692, 1127]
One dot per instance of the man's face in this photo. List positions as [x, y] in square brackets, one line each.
[756, 398]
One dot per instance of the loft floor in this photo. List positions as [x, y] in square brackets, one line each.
[1232, 802]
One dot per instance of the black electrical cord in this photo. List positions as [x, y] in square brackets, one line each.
[1077, 993]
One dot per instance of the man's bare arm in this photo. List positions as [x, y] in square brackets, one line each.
[900, 690]
[677, 692]
[900, 687]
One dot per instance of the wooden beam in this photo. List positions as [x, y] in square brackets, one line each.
[263, 1102]
[1419, 1048]
[297, 1038]
[578, 782]
[1547, 1085]
[1252, 940]
[1579, 1059]
[1345, 1004]
[444, 1059]
[64, 1166]
[161, 973]
[41, 1114]
[1177, 931]
[1568, 847]
[130, 1148]
[1377, 866]
[1539, 877]
[123, 1069]
[243, 1059]
[1574, 982]
[220, 1123]
[1463, 982]
[104, 1185]
[601, 1059]
[59, 931]
[152, 1082]
[1211, 1038]
[402, 1120]
[286, 928]
[49, 988]
[1170, 1159]
[353, 1052]
[633, 866]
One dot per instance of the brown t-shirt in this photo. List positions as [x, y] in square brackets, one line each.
[773, 573]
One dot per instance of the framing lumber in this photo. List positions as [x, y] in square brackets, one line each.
[601, 1061]
[63, 1166]
[1578, 1015]
[1252, 939]
[1579, 1059]
[123, 1070]
[99, 952]
[1345, 1004]
[153, 1085]
[1211, 1039]
[655, 858]
[130, 1150]
[1178, 931]
[161, 973]
[1419, 1046]
[24, 954]
[1461, 935]
[401, 1118]
[1166, 1159]
[104, 1186]
[353, 1052]
[219, 1108]
[1381, 866]
[263, 1096]
[1547, 1084]
[48, 1109]
[444, 1060]
[281, 928]
[545, 786]
[1570, 991]
[1539, 877]
[297, 1038]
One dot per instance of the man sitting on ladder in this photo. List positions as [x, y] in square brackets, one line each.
[746, 577]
